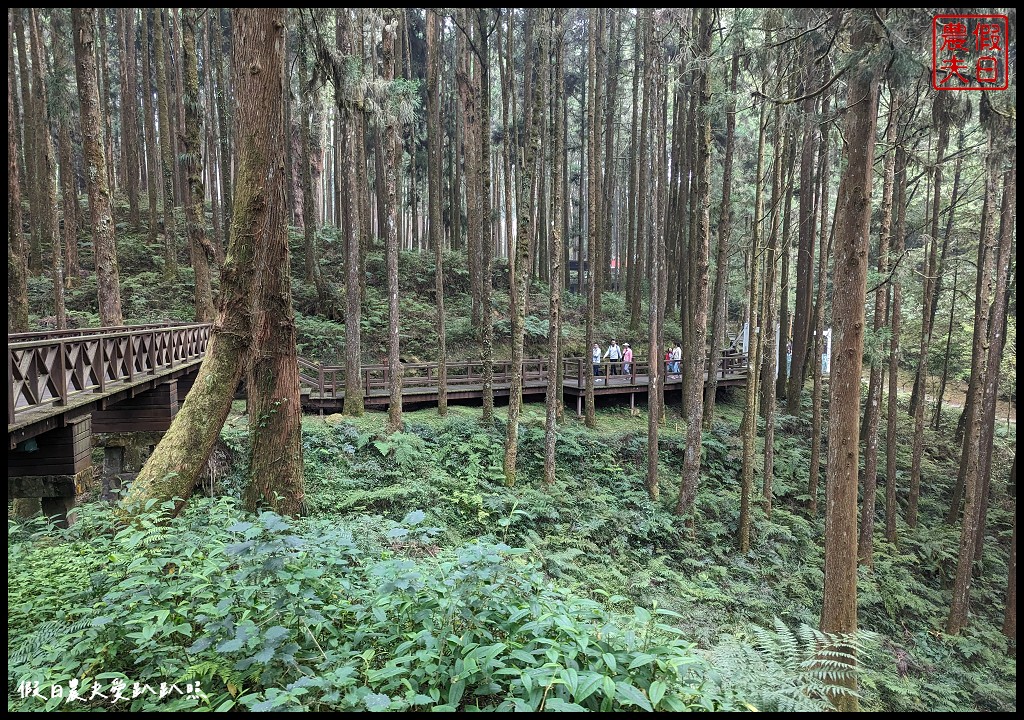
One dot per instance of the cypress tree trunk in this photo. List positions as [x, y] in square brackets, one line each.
[149, 125]
[177, 461]
[1010, 606]
[874, 402]
[217, 29]
[434, 139]
[824, 248]
[275, 411]
[894, 348]
[520, 267]
[632, 205]
[33, 174]
[594, 30]
[970, 460]
[657, 302]
[486, 226]
[200, 249]
[211, 147]
[104, 247]
[698, 291]
[748, 429]
[129, 113]
[166, 147]
[62, 106]
[853, 219]
[351, 172]
[718, 314]
[643, 25]
[553, 398]
[391, 160]
[17, 250]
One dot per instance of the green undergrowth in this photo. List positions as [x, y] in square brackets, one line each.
[419, 580]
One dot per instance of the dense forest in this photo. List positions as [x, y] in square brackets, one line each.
[405, 462]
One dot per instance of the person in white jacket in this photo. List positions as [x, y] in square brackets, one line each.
[614, 354]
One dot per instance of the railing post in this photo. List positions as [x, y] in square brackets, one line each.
[62, 376]
[101, 368]
[10, 387]
[131, 357]
[579, 372]
[152, 352]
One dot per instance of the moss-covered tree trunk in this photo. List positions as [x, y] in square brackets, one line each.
[434, 141]
[177, 461]
[200, 248]
[853, 221]
[100, 211]
[275, 410]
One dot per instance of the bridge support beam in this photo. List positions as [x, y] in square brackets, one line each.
[124, 454]
[152, 410]
[55, 466]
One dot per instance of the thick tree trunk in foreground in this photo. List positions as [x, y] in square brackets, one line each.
[200, 249]
[275, 411]
[853, 219]
[434, 140]
[100, 212]
[697, 293]
[177, 461]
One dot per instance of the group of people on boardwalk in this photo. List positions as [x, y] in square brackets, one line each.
[620, 358]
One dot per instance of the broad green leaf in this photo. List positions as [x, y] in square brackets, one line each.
[629, 695]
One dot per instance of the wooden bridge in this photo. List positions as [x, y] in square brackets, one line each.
[64, 386]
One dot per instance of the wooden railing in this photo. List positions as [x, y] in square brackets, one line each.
[51, 368]
[329, 380]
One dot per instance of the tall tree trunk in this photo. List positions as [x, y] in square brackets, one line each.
[608, 189]
[45, 214]
[434, 140]
[211, 147]
[352, 171]
[632, 205]
[32, 133]
[718, 314]
[520, 261]
[103, 77]
[894, 347]
[149, 125]
[166, 146]
[17, 250]
[200, 249]
[970, 459]
[177, 461]
[391, 160]
[129, 113]
[275, 410]
[865, 545]
[748, 429]
[698, 290]
[553, 398]
[655, 372]
[996, 342]
[824, 248]
[937, 422]
[101, 216]
[594, 31]
[1010, 606]
[220, 37]
[853, 220]
[643, 26]
[486, 226]
[61, 101]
